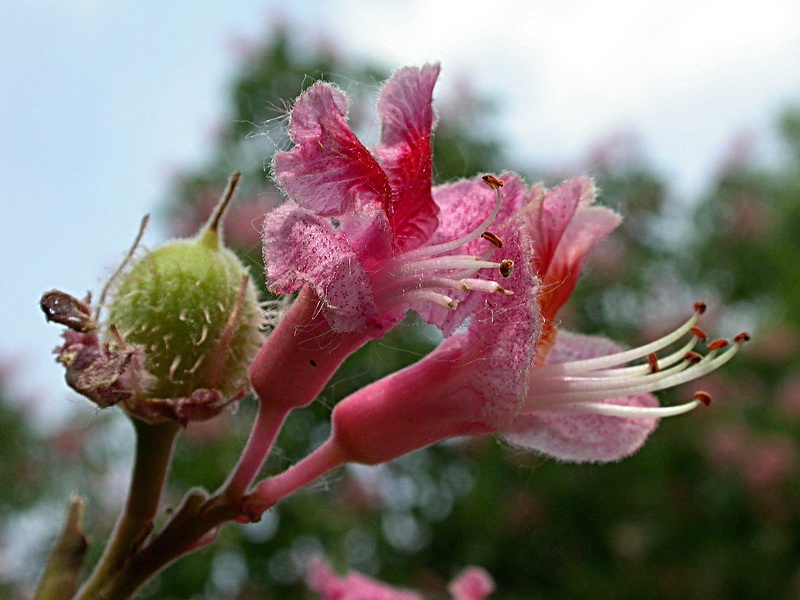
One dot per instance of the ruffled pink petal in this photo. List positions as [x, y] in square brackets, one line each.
[549, 214]
[299, 248]
[589, 225]
[353, 586]
[405, 153]
[509, 326]
[464, 205]
[583, 437]
[329, 171]
[472, 583]
[578, 437]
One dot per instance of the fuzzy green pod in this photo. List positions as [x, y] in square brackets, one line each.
[193, 309]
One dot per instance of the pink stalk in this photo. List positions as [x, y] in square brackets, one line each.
[270, 491]
[289, 372]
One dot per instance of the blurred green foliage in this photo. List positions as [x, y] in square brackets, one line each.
[707, 509]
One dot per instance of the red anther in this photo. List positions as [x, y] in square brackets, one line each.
[699, 334]
[742, 337]
[717, 344]
[506, 267]
[492, 181]
[700, 307]
[652, 360]
[490, 237]
[692, 357]
[703, 397]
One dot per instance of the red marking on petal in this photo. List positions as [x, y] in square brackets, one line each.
[405, 154]
[329, 171]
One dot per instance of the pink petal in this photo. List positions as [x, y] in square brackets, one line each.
[588, 226]
[503, 335]
[473, 583]
[405, 152]
[581, 437]
[354, 586]
[550, 214]
[300, 247]
[329, 171]
[464, 205]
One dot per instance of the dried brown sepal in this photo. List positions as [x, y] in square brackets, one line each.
[59, 307]
[201, 405]
[95, 371]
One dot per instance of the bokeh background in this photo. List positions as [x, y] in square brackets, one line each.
[687, 115]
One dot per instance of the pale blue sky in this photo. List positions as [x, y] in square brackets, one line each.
[99, 99]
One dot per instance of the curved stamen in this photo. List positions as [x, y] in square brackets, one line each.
[422, 295]
[631, 412]
[645, 369]
[452, 245]
[589, 389]
[444, 263]
[611, 360]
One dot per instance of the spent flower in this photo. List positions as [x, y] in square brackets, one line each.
[183, 324]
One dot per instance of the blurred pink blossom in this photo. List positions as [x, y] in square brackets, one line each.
[472, 584]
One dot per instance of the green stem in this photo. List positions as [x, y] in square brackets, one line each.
[154, 444]
[61, 575]
[190, 528]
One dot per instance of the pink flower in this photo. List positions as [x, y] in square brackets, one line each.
[472, 584]
[362, 227]
[566, 395]
[563, 394]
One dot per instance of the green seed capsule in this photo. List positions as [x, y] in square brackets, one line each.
[193, 309]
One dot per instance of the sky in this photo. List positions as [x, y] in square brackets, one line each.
[102, 100]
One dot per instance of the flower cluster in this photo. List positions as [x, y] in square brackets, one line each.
[364, 236]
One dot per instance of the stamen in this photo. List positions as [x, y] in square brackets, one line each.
[699, 333]
[717, 344]
[492, 181]
[506, 267]
[611, 360]
[652, 361]
[703, 397]
[444, 263]
[473, 235]
[693, 357]
[423, 295]
[492, 238]
[631, 412]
